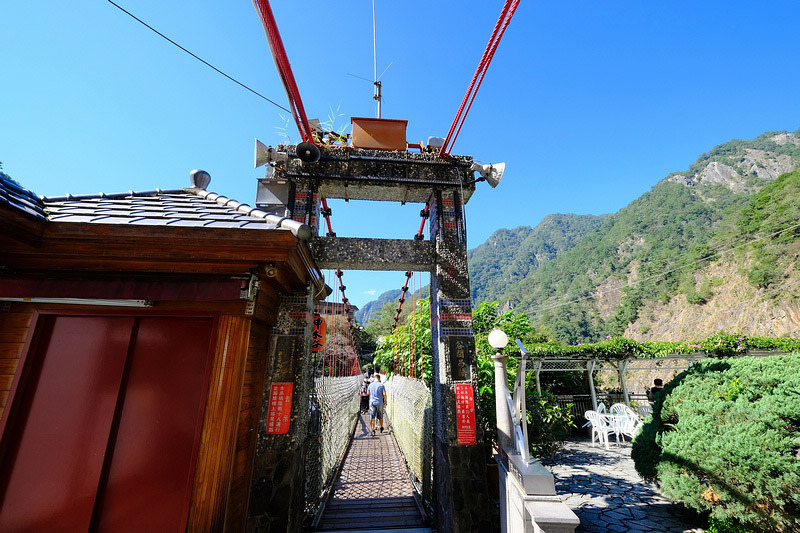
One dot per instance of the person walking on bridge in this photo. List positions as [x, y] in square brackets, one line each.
[377, 401]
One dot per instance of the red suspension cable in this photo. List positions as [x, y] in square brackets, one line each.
[425, 213]
[497, 33]
[284, 68]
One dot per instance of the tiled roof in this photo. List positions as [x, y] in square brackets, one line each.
[182, 207]
[190, 207]
[20, 198]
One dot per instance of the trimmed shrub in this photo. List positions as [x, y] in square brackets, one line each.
[724, 437]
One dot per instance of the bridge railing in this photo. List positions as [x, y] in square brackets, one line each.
[333, 409]
[411, 415]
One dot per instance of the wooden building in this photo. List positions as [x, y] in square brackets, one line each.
[134, 338]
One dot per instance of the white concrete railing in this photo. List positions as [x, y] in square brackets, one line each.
[528, 499]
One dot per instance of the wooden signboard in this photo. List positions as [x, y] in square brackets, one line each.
[465, 414]
[280, 406]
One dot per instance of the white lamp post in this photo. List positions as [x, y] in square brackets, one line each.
[499, 340]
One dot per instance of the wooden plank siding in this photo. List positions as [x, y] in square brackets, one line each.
[218, 439]
[15, 320]
[265, 317]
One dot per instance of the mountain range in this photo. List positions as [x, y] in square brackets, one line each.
[707, 249]
[712, 248]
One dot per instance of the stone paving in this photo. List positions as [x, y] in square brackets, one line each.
[602, 487]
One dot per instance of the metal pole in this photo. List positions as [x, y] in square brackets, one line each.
[538, 370]
[622, 366]
[523, 405]
[590, 368]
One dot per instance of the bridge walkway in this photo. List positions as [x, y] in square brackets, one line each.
[373, 491]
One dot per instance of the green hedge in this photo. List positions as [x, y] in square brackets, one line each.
[718, 345]
[725, 437]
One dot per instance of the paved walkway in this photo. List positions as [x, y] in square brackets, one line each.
[373, 491]
[602, 487]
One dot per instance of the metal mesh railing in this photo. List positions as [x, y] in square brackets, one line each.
[409, 410]
[333, 409]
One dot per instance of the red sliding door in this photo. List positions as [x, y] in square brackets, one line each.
[108, 424]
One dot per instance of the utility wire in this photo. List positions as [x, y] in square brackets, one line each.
[718, 251]
[146, 25]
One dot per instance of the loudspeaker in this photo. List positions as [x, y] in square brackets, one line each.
[492, 174]
[495, 174]
[261, 154]
[308, 152]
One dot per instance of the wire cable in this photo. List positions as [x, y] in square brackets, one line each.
[234, 80]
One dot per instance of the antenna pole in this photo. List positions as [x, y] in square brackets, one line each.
[375, 61]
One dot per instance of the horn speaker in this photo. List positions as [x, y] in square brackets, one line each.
[308, 152]
[492, 174]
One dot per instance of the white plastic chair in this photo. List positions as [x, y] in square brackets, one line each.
[618, 409]
[631, 425]
[600, 427]
[601, 408]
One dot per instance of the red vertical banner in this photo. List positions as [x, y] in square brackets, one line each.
[465, 414]
[318, 333]
[280, 406]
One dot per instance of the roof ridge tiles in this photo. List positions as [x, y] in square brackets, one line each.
[109, 196]
[302, 231]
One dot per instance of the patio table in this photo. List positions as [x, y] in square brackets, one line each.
[617, 422]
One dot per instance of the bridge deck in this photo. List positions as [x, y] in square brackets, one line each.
[373, 491]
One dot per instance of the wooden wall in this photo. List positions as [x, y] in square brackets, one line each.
[223, 471]
[264, 319]
[217, 442]
[15, 320]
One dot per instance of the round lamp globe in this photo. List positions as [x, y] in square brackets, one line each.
[498, 339]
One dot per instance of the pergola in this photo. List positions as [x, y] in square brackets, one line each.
[621, 366]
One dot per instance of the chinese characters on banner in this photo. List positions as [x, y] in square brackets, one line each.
[318, 333]
[280, 405]
[465, 414]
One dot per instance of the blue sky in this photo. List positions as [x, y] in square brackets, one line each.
[588, 103]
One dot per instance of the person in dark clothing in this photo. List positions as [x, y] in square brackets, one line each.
[364, 395]
[657, 386]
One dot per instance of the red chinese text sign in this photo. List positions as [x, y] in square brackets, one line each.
[465, 414]
[280, 405]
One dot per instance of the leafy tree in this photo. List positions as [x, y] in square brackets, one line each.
[407, 349]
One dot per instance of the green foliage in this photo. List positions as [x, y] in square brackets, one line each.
[548, 423]
[408, 347]
[616, 348]
[382, 321]
[365, 341]
[717, 525]
[724, 437]
[485, 318]
[770, 218]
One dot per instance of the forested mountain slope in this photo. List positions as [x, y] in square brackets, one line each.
[647, 270]
[511, 255]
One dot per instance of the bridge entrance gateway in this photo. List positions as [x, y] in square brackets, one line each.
[294, 188]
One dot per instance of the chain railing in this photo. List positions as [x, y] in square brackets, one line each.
[409, 410]
[333, 405]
